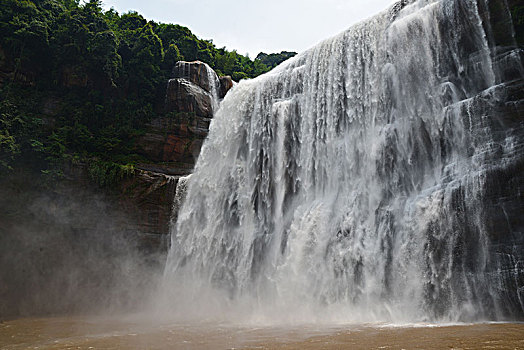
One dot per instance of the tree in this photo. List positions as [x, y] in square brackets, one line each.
[144, 66]
[171, 57]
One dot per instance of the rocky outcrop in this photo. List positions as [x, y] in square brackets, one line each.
[197, 73]
[172, 142]
[147, 197]
[175, 142]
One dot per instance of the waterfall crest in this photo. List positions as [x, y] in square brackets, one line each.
[351, 183]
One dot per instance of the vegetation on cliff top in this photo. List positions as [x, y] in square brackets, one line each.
[78, 83]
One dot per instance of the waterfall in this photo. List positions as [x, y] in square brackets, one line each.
[354, 181]
[214, 83]
[178, 199]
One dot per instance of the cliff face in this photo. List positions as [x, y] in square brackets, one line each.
[502, 193]
[172, 144]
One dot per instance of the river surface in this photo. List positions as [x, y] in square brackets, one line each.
[135, 333]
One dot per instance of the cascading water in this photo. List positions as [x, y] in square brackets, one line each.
[350, 183]
[178, 199]
[213, 84]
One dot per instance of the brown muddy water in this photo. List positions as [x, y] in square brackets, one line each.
[129, 333]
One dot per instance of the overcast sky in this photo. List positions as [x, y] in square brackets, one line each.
[252, 26]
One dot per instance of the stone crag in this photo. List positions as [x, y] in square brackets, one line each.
[173, 141]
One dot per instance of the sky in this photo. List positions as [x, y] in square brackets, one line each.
[251, 26]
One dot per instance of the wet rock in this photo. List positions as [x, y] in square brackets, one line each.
[226, 83]
[197, 73]
[172, 142]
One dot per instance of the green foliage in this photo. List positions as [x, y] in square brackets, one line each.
[102, 73]
[9, 148]
[237, 76]
[19, 134]
[108, 173]
[171, 56]
[274, 59]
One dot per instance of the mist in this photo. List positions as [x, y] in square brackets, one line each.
[68, 249]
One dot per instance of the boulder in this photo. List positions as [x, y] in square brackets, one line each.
[226, 83]
[198, 73]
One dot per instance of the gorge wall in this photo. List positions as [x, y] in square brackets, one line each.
[375, 177]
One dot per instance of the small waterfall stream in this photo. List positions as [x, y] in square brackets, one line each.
[354, 181]
[178, 199]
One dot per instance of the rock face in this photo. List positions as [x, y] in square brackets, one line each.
[147, 198]
[173, 142]
[184, 96]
